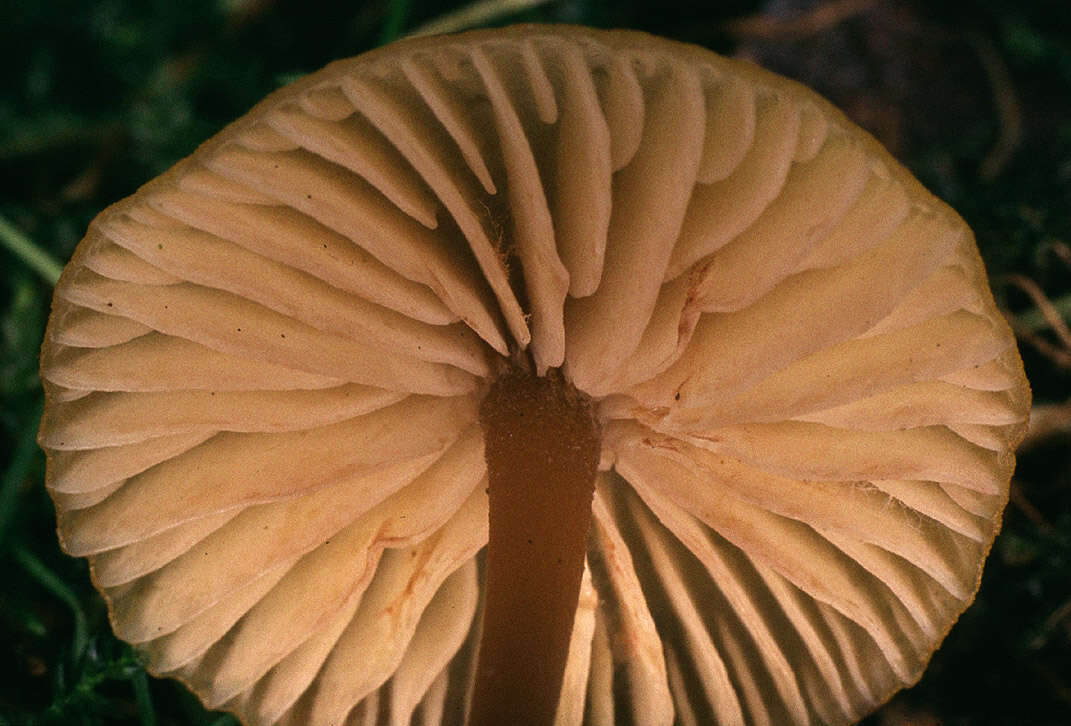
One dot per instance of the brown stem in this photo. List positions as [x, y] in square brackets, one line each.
[542, 450]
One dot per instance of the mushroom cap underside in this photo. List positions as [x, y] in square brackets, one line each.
[263, 372]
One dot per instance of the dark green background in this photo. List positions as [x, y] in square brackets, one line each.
[98, 97]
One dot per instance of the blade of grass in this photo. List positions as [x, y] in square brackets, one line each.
[397, 12]
[1034, 320]
[143, 698]
[22, 462]
[49, 580]
[32, 255]
[475, 14]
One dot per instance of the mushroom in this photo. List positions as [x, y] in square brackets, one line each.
[720, 382]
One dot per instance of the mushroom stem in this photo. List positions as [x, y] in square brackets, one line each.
[542, 449]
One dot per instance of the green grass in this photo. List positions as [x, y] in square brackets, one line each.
[100, 96]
